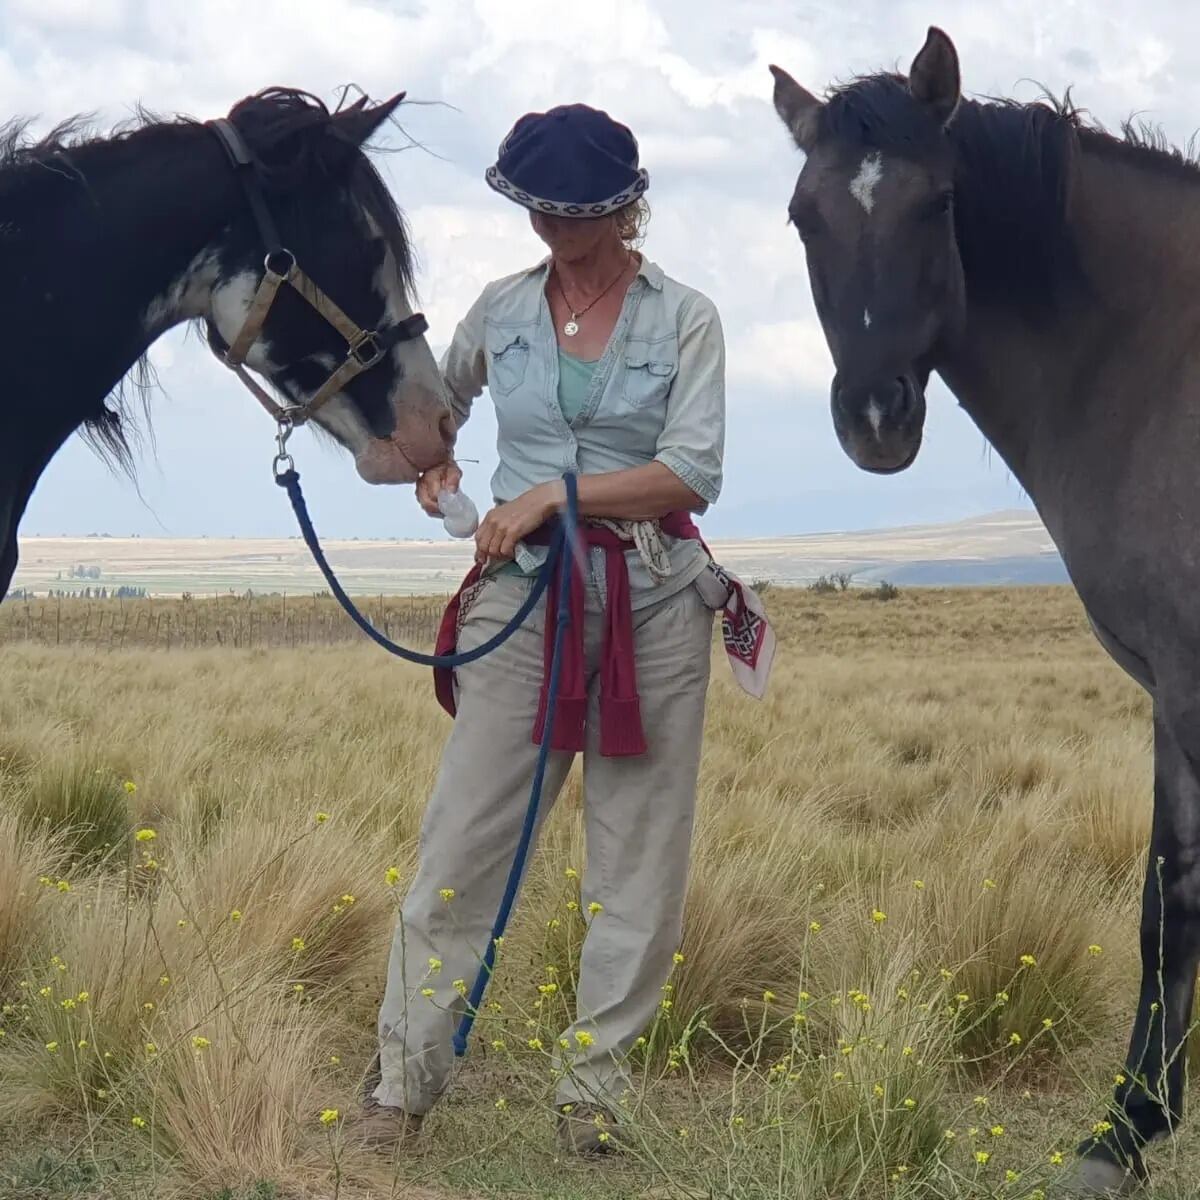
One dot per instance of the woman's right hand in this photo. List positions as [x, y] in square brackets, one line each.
[445, 475]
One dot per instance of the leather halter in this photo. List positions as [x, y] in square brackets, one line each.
[365, 347]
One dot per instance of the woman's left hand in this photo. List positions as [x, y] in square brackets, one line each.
[506, 524]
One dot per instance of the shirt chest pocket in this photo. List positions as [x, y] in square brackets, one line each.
[647, 371]
[507, 361]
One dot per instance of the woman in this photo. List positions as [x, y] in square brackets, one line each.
[600, 364]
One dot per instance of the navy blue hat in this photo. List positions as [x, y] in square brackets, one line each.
[573, 161]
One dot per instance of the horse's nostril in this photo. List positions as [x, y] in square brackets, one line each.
[903, 400]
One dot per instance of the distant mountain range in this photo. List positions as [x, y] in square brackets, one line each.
[1004, 548]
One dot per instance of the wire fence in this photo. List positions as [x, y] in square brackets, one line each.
[234, 622]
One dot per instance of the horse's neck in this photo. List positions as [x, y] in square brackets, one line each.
[107, 243]
[1037, 384]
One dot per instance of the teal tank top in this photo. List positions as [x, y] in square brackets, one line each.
[574, 379]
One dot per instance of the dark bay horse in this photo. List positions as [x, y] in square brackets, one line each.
[106, 242]
[1049, 272]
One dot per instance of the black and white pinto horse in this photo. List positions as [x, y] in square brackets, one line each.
[271, 227]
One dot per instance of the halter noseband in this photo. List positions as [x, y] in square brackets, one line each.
[365, 347]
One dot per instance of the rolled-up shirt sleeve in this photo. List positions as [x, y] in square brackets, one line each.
[464, 364]
[692, 442]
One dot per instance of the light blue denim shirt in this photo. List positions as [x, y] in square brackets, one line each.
[657, 395]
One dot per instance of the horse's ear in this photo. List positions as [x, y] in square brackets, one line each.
[358, 122]
[933, 78]
[797, 108]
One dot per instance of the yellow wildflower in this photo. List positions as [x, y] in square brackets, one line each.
[63, 886]
[200, 1043]
[919, 884]
[1056, 1159]
[997, 1131]
[595, 908]
[236, 915]
[392, 876]
[138, 1122]
[877, 916]
[571, 873]
[52, 1047]
[145, 835]
[814, 927]
[535, 1044]
[1014, 1039]
[1095, 951]
[910, 1103]
[1102, 1127]
[678, 958]
[297, 944]
[447, 894]
[130, 786]
[1027, 960]
[322, 817]
[584, 1038]
[502, 1104]
[435, 965]
[768, 996]
[1047, 1023]
[427, 992]
[981, 1157]
[329, 1116]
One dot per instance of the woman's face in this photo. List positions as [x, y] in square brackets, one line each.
[573, 238]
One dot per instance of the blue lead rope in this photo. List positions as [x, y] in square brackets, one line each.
[289, 480]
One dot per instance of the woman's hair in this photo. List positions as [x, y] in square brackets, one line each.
[631, 222]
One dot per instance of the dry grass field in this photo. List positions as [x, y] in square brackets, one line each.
[936, 788]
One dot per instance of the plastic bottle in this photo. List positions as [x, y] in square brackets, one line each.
[459, 515]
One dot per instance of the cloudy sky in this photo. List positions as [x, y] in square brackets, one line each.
[690, 77]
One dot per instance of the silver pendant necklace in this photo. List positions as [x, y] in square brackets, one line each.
[571, 327]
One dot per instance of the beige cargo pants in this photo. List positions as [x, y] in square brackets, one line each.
[638, 825]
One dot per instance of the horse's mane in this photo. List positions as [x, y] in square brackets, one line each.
[72, 151]
[1015, 165]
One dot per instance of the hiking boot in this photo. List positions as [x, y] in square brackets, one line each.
[586, 1131]
[382, 1127]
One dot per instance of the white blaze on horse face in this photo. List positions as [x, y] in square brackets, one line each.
[875, 416]
[866, 318]
[863, 185]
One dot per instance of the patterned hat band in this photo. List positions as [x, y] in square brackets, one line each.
[601, 208]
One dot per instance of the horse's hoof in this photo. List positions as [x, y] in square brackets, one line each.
[1099, 1177]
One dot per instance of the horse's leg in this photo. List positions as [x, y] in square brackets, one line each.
[1149, 1103]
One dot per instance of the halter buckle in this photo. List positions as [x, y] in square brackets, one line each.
[366, 349]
